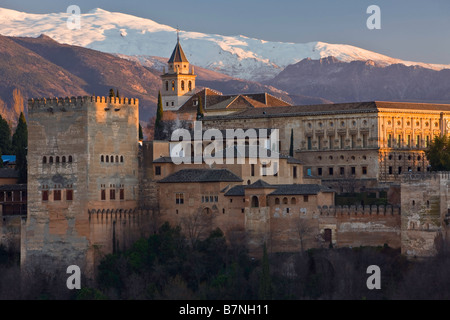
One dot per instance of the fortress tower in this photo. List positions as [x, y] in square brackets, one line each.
[82, 180]
[178, 83]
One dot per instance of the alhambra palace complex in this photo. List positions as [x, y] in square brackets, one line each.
[93, 187]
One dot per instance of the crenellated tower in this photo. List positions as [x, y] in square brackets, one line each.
[178, 83]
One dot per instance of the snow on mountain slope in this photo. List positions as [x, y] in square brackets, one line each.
[237, 56]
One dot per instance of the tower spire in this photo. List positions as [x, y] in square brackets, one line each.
[178, 34]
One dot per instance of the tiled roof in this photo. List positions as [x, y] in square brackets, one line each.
[300, 189]
[352, 107]
[260, 184]
[9, 173]
[178, 55]
[13, 187]
[236, 191]
[201, 175]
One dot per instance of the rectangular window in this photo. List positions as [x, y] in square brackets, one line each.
[253, 170]
[157, 170]
[390, 170]
[69, 195]
[341, 142]
[319, 171]
[57, 195]
[112, 194]
[179, 198]
[103, 194]
[45, 195]
[264, 170]
[305, 199]
[428, 141]
[418, 141]
[309, 143]
[122, 194]
[399, 141]
[353, 170]
[353, 141]
[418, 169]
[408, 140]
[295, 172]
[364, 140]
[319, 142]
[399, 170]
[342, 171]
[364, 170]
[390, 140]
[330, 171]
[216, 198]
[330, 142]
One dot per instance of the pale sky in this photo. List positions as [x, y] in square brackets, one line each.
[410, 29]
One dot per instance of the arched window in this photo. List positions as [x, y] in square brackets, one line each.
[285, 200]
[121, 159]
[117, 158]
[44, 160]
[293, 201]
[57, 159]
[167, 85]
[190, 85]
[112, 159]
[173, 85]
[102, 158]
[182, 85]
[255, 202]
[50, 160]
[277, 200]
[70, 159]
[64, 159]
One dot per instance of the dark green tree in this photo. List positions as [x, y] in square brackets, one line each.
[112, 94]
[200, 111]
[117, 93]
[20, 145]
[141, 134]
[5, 137]
[1, 160]
[159, 118]
[265, 281]
[438, 154]
[291, 148]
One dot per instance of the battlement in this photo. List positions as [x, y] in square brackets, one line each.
[359, 210]
[62, 103]
[441, 175]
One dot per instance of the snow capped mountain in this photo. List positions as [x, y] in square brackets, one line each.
[237, 56]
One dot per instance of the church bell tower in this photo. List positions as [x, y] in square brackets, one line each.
[178, 83]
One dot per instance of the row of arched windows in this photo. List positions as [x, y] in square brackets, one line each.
[182, 85]
[57, 159]
[111, 159]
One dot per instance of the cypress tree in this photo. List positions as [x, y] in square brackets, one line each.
[1, 160]
[200, 111]
[5, 137]
[111, 93]
[20, 144]
[159, 118]
[291, 148]
[265, 284]
[117, 93]
[141, 134]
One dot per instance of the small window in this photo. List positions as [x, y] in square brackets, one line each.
[107, 158]
[255, 202]
[285, 200]
[330, 171]
[353, 170]
[295, 172]
[173, 85]
[390, 170]
[182, 85]
[69, 195]
[157, 170]
[277, 200]
[293, 201]
[167, 85]
[319, 171]
[190, 85]
[57, 195]
[44, 160]
[64, 159]
[103, 194]
[122, 194]
[252, 170]
[112, 194]
[121, 159]
[305, 198]
[57, 159]
[341, 171]
[70, 159]
[51, 160]
[112, 159]
[102, 158]
[179, 198]
[45, 195]
[117, 159]
[364, 170]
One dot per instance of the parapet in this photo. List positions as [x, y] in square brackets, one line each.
[359, 210]
[51, 104]
[433, 175]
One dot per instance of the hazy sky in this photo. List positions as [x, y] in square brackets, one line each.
[410, 29]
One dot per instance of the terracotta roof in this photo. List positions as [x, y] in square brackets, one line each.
[214, 100]
[352, 107]
[9, 173]
[178, 54]
[201, 175]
